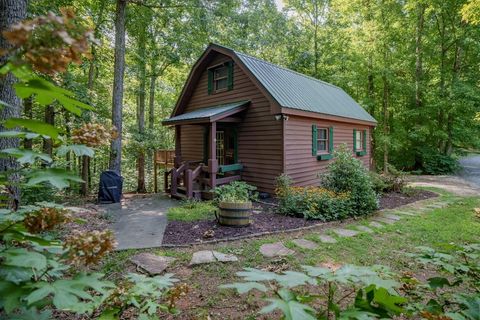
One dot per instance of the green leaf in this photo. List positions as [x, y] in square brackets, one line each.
[78, 149]
[67, 294]
[11, 294]
[438, 282]
[245, 287]
[58, 178]
[356, 314]
[27, 156]
[36, 126]
[18, 134]
[251, 274]
[470, 306]
[46, 92]
[21, 257]
[110, 314]
[292, 310]
[31, 314]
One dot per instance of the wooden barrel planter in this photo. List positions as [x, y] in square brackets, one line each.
[234, 214]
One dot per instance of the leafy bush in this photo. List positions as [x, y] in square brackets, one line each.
[436, 163]
[394, 180]
[346, 174]
[236, 191]
[350, 292]
[311, 202]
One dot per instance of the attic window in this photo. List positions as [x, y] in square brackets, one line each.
[220, 76]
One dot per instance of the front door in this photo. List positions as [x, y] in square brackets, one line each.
[227, 146]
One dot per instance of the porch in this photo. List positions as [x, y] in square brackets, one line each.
[195, 179]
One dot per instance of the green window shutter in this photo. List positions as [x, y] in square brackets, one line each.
[365, 141]
[205, 144]
[230, 75]
[210, 81]
[330, 141]
[354, 140]
[314, 139]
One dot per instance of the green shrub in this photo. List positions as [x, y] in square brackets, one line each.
[436, 163]
[311, 202]
[236, 191]
[346, 174]
[394, 180]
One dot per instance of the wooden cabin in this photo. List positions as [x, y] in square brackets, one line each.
[242, 118]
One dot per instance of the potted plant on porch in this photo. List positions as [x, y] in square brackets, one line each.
[234, 201]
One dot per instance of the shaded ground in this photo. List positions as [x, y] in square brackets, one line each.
[264, 221]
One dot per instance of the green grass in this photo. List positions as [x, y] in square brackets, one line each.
[436, 228]
[192, 211]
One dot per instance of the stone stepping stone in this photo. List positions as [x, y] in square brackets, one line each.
[375, 224]
[405, 213]
[326, 238]
[305, 244]
[435, 206]
[345, 232]
[384, 220]
[365, 229]
[276, 249]
[391, 216]
[150, 263]
[207, 256]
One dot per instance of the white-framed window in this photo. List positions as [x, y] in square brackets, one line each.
[220, 78]
[359, 137]
[322, 140]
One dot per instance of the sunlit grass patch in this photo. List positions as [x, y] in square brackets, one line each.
[192, 211]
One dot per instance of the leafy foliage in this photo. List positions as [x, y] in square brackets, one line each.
[348, 175]
[236, 191]
[370, 292]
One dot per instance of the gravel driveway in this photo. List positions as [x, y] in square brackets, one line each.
[471, 169]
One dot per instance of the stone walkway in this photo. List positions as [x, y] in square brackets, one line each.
[150, 213]
[377, 221]
[140, 223]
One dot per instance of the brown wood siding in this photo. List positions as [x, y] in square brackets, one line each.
[259, 135]
[300, 164]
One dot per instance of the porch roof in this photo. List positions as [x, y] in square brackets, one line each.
[208, 114]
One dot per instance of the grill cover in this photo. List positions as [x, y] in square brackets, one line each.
[110, 188]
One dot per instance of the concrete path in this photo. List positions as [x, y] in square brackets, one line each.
[140, 223]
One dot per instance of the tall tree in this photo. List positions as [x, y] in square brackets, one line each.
[11, 12]
[117, 99]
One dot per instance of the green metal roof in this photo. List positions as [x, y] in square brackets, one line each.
[208, 114]
[297, 91]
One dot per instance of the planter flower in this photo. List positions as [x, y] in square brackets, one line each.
[234, 202]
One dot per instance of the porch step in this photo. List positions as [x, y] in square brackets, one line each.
[182, 191]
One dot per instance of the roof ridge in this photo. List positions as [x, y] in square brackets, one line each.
[277, 66]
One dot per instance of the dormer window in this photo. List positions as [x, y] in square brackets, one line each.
[220, 77]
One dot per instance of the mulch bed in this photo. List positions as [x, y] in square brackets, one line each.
[264, 219]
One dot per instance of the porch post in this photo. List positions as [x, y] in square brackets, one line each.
[178, 147]
[212, 155]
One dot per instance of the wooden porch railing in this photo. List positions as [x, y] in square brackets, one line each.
[187, 176]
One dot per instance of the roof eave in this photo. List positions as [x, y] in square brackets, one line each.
[324, 116]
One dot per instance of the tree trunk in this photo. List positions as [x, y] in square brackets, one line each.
[141, 109]
[385, 122]
[419, 77]
[28, 113]
[151, 101]
[50, 119]
[118, 75]
[11, 11]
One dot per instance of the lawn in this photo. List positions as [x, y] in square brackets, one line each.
[388, 246]
[191, 211]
